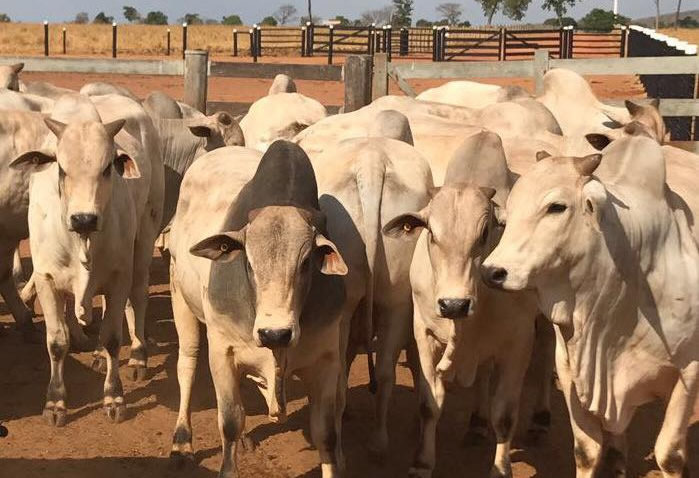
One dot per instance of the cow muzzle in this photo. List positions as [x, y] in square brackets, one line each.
[494, 276]
[456, 308]
[84, 223]
[275, 338]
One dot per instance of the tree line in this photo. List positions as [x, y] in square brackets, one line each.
[399, 13]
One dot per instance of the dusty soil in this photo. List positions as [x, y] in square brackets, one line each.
[89, 446]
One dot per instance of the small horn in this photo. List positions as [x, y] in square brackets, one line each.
[56, 127]
[489, 192]
[114, 127]
[587, 165]
[542, 155]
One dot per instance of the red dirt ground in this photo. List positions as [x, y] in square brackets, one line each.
[91, 447]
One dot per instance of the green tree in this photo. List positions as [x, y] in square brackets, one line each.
[284, 14]
[563, 22]
[103, 18]
[602, 20]
[156, 18]
[5, 18]
[422, 23]
[81, 18]
[688, 22]
[192, 19]
[131, 14]
[402, 13]
[232, 20]
[344, 21]
[513, 9]
[451, 12]
[559, 7]
[269, 21]
[316, 20]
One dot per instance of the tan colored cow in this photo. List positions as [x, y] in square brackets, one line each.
[471, 94]
[252, 260]
[607, 246]
[460, 325]
[363, 183]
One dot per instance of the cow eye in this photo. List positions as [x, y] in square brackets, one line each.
[107, 171]
[556, 208]
[484, 235]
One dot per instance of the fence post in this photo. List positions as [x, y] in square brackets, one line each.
[168, 42]
[503, 44]
[258, 36]
[571, 38]
[560, 43]
[370, 40]
[253, 49]
[235, 42]
[541, 66]
[404, 42]
[184, 38]
[46, 38]
[389, 41]
[64, 41]
[379, 84]
[357, 82]
[303, 41]
[624, 36]
[196, 66]
[330, 45]
[114, 40]
[434, 43]
[311, 39]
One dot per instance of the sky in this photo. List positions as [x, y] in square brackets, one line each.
[253, 11]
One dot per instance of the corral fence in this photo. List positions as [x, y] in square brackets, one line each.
[440, 43]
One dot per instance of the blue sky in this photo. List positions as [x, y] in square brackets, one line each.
[252, 11]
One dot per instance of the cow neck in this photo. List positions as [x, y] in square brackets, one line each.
[179, 146]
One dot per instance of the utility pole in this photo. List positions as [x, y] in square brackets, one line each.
[310, 15]
[616, 7]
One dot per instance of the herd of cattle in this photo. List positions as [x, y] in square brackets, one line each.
[458, 226]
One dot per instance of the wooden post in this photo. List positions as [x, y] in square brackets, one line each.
[370, 39]
[303, 41]
[311, 39]
[357, 82]
[330, 45]
[184, 38]
[389, 41]
[379, 84]
[434, 43]
[46, 38]
[258, 36]
[168, 42]
[541, 66]
[253, 48]
[235, 42]
[114, 40]
[571, 39]
[502, 56]
[196, 65]
[64, 41]
[624, 36]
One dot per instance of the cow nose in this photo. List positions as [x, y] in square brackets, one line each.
[455, 308]
[274, 337]
[83, 223]
[494, 276]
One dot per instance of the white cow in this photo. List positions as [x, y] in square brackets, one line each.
[472, 94]
[609, 250]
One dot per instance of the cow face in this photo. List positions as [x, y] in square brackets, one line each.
[282, 249]
[460, 227]
[219, 130]
[87, 159]
[551, 214]
[9, 76]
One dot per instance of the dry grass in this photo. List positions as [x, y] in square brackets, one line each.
[133, 40]
[687, 34]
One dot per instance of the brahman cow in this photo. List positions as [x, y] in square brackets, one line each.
[607, 247]
[252, 260]
[472, 94]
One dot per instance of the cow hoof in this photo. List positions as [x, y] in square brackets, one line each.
[419, 472]
[181, 459]
[138, 372]
[495, 472]
[31, 334]
[248, 444]
[55, 415]
[116, 412]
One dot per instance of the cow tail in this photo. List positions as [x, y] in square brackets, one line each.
[370, 179]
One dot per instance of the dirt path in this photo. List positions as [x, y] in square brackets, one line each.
[91, 447]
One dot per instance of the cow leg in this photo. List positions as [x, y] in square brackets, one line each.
[587, 430]
[480, 417]
[324, 389]
[671, 446]
[188, 336]
[231, 414]
[17, 269]
[510, 370]
[543, 361]
[20, 312]
[392, 335]
[431, 395]
[614, 463]
[110, 338]
[57, 343]
[137, 305]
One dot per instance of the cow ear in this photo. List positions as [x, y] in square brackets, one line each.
[633, 108]
[33, 161]
[200, 130]
[223, 247]
[17, 67]
[587, 165]
[56, 127]
[540, 155]
[594, 196]
[224, 118]
[405, 225]
[126, 166]
[332, 261]
[598, 141]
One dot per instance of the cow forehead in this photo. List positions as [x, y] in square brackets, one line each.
[456, 211]
[280, 228]
[85, 145]
[547, 175]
